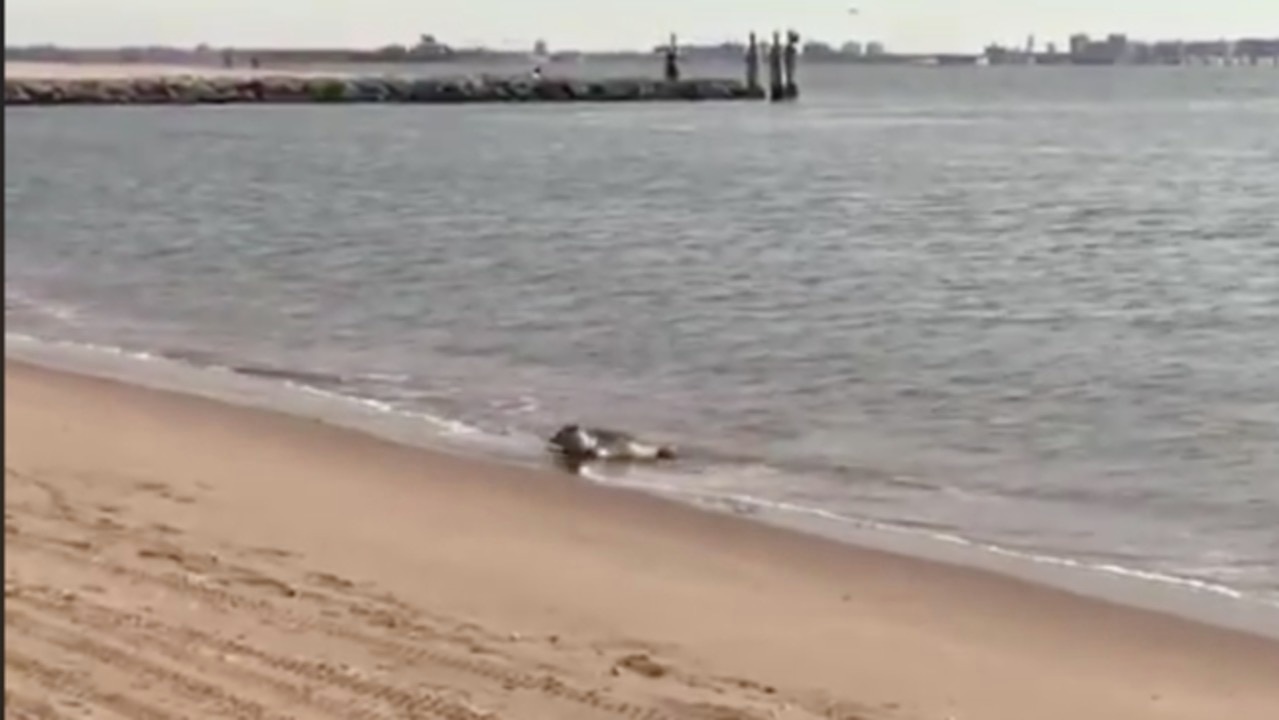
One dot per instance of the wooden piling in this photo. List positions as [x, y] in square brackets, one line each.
[790, 57]
[776, 83]
[752, 64]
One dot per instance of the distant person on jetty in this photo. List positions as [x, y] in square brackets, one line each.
[672, 61]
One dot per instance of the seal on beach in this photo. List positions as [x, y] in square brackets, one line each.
[583, 444]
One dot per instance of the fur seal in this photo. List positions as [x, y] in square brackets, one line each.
[583, 444]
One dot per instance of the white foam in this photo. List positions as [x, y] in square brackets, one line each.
[453, 427]
[16, 299]
[738, 500]
[444, 426]
[36, 343]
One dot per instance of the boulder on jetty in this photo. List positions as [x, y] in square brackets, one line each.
[192, 90]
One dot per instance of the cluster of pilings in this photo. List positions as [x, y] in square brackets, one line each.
[781, 66]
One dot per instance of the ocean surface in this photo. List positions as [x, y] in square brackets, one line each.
[1033, 312]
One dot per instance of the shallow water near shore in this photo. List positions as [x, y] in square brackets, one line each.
[1025, 312]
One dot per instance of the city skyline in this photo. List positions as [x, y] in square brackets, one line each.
[904, 25]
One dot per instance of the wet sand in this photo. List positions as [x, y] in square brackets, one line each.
[171, 556]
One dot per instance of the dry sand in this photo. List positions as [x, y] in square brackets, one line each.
[167, 556]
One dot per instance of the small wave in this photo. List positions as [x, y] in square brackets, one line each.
[288, 374]
[386, 378]
[111, 350]
[519, 405]
[198, 358]
[305, 382]
[17, 301]
[207, 359]
[449, 426]
[832, 469]
[753, 505]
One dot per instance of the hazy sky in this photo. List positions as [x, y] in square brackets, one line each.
[954, 25]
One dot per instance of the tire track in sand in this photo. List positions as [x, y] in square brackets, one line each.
[383, 625]
[20, 707]
[498, 677]
[158, 637]
[201, 692]
[56, 681]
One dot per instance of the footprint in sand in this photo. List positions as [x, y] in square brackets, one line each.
[192, 563]
[156, 488]
[163, 490]
[108, 523]
[641, 664]
[330, 581]
[267, 552]
[262, 582]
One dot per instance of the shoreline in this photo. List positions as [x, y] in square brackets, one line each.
[512, 547]
[1130, 586]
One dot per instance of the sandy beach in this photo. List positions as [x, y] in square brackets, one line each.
[168, 556]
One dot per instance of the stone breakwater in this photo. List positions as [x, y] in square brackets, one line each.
[192, 90]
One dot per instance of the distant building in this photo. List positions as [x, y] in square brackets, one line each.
[1255, 49]
[1079, 45]
[1111, 51]
[1168, 53]
[392, 52]
[875, 48]
[852, 47]
[817, 49]
[428, 46]
[1204, 50]
[723, 51]
[539, 48]
[1117, 47]
[1000, 55]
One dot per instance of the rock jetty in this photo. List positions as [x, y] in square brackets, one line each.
[192, 90]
